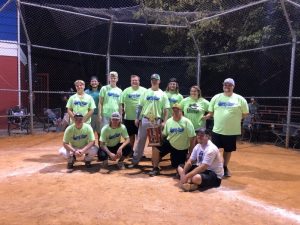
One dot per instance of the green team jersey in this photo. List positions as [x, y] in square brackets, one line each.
[78, 138]
[173, 98]
[95, 96]
[154, 103]
[111, 100]
[81, 104]
[112, 136]
[130, 98]
[178, 133]
[228, 113]
[194, 109]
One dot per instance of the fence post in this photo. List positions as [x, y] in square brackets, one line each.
[108, 49]
[292, 68]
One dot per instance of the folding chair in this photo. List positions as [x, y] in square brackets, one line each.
[281, 135]
[53, 119]
[17, 119]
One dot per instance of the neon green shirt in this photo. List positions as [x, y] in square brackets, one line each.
[130, 98]
[78, 138]
[179, 132]
[154, 103]
[194, 109]
[111, 100]
[111, 137]
[81, 104]
[228, 113]
[173, 98]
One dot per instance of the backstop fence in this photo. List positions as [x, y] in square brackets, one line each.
[256, 42]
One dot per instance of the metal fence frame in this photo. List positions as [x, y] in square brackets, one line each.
[198, 57]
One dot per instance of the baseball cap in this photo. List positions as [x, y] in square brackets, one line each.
[203, 131]
[176, 105]
[155, 76]
[229, 81]
[173, 79]
[78, 114]
[116, 115]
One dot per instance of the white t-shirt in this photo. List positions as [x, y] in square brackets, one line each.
[208, 154]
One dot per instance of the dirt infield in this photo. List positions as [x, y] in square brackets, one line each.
[34, 189]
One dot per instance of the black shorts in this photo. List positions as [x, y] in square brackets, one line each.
[177, 156]
[209, 178]
[102, 155]
[227, 142]
[132, 129]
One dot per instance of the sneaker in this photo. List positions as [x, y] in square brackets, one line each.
[70, 167]
[88, 164]
[121, 165]
[155, 171]
[226, 172]
[189, 187]
[133, 164]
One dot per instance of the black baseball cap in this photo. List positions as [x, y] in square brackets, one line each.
[203, 131]
[78, 115]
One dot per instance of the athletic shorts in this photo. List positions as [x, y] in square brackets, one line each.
[227, 142]
[209, 178]
[177, 156]
[131, 128]
[102, 155]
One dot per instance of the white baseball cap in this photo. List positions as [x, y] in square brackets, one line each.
[229, 81]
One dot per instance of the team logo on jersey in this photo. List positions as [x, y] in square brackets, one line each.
[193, 108]
[152, 98]
[134, 95]
[172, 100]
[79, 137]
[176, 130]
[226, 104]
[112, 94]
[116, 135]
[80, 103]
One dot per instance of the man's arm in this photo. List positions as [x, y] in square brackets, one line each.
[100, 107]
[166, 111]
[69, 147]
[87, 147]
[208, 115]
[201, 168]
[71, 114]
[88, 115]
[109, 153]
[120, 150]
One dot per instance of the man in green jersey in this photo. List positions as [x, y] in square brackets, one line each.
[130, 98]
[173, 94]
[228, 109]
[179, 133]
[81, 103]
[78, 141]
[152, 105]
[110, 141]
[109, 99]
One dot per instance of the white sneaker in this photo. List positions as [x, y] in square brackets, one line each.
[121, 165]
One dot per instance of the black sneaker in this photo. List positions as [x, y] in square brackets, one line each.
[70, 167]
[88, 164]
[154, 172]
[226, 172]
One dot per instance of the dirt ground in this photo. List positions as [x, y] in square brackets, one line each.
[35, 189]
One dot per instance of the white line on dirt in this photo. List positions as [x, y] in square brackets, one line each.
[23, 171]
[237, 195]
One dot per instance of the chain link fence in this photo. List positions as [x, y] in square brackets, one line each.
[195, 41]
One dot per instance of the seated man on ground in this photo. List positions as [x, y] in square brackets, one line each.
[208, 171]
[79, 141]
[110, 142]
[179, 132]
